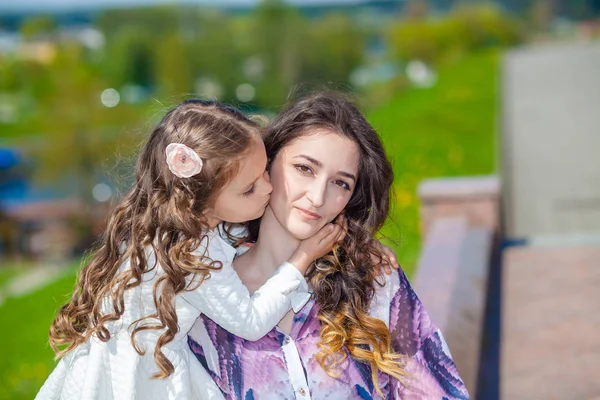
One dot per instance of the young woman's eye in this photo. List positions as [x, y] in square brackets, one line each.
[249, 191]
[305, 169]
[342, 184]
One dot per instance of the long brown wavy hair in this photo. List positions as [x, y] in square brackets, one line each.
[344, 281]
[163, 212]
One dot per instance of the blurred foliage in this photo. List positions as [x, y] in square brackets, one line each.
[156, 56]
[465, 30]
[38, 26]
[82, 131]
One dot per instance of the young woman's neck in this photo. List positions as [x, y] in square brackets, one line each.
[274, 245]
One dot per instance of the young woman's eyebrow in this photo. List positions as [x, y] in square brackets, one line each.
[312, 160]
[347, 175]
[320, 164]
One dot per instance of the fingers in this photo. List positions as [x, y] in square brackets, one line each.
[341, 235]
[390, 257]
[342, 221]
[329, 233]
[325, 232]
[375, 259]
[387, 269]
[387, 257]
[381, 268]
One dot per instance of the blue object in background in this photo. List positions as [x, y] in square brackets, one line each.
[9, 158]
[16, 187]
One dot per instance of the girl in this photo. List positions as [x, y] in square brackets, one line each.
[163, 262]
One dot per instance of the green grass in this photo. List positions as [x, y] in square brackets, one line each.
[7, 273]
[446, 130]
[26, 356]
[10, 269]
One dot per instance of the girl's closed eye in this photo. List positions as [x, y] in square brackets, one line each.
[249, 191]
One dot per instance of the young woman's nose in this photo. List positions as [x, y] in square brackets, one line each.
[316, 193]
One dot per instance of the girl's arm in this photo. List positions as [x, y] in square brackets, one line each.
[226, 300]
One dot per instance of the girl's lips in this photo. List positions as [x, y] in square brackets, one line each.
[307, 214]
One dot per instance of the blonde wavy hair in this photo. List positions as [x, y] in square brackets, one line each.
[344, 281]
[166, 213]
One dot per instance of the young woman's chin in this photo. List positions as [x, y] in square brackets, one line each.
[302, 231]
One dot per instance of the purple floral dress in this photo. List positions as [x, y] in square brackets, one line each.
[280, 366]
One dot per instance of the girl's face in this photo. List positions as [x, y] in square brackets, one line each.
[313, 179]
[247, 195]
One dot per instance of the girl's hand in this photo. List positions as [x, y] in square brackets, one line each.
[387, 261]
[343, 222]
[318, 245]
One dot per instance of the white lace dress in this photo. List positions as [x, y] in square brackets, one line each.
[114, 370]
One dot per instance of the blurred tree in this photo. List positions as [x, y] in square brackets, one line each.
[278, 33]
[581, 9]
[129, 59]
[10, 81]
[216, 52]
[153, 21]
[542, 14]
[80, 134]
[415, 39]
[213, 54]
[333, 48]
[24, 81]
[173, 75]
[416, 9]
[34, 27]
[466, 29]
[133, 37]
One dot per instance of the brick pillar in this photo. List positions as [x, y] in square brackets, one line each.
[475, 198]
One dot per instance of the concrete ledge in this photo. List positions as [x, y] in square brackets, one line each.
[475, 198]
[460, 221]
[451, 280]
[438, 266]
[459, 188]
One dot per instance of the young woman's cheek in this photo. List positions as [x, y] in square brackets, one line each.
[341, 202]
[294, 186]
[334, 204]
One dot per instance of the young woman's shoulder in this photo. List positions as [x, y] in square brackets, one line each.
[387, 286]
[395, 298]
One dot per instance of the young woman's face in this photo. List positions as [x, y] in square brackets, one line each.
[246, 196]
[313, 179]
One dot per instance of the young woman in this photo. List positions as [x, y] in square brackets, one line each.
[360, 336]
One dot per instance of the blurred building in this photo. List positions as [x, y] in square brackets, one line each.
[35, 222]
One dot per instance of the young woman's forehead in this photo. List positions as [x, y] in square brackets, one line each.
[326, 143]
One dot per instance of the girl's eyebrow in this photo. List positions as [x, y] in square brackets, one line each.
[320, 165]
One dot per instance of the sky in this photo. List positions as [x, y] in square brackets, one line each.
[46, 5]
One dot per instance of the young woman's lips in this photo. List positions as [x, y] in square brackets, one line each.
[307, 214]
